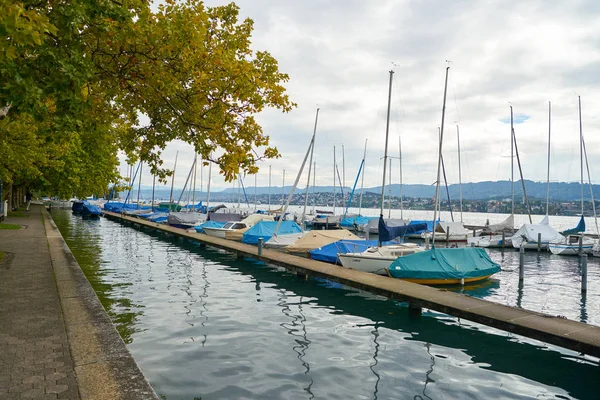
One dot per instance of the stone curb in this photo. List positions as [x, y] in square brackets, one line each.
[103, 365]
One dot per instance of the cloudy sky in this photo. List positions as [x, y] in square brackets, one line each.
[339, 53]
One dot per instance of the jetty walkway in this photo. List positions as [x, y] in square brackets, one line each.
[56, 340]
[559, 331]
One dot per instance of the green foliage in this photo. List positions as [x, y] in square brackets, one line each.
[8, 226]
[78, 75]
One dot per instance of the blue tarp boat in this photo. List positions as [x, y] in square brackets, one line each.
[265, 230]
[117, 207]
[90, 210]
[444, 266]
[159, 217]
[329, 252]
[77, 207]
[355, 222]
[391, 232]
[208, 224]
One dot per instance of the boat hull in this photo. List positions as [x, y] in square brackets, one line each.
[361, 262]
[569, 250]
[216, 232]
[445, 281]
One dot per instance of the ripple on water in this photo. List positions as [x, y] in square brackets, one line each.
[202, 324]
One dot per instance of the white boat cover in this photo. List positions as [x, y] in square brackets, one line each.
[185, 218]
[505, 226]
[314, 239]
[254, 219]
[455, 228]
[373, 224]
[529, 233]
[281, 241]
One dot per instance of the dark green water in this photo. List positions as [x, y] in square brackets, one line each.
[202, 324]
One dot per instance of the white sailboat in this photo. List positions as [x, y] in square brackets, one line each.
[528, 235]
[575, 243]
[377, 259]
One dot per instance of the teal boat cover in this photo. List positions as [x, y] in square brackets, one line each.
[265, 230]
[208, 224]
[578, 229]
[451, 263]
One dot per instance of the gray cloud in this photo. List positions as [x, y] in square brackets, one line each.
[338, 55]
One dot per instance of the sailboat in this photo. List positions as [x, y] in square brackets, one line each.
[186, 219]
[376, 259]
[491, 236]
[570, 244]
[444, 265]
[527, 236]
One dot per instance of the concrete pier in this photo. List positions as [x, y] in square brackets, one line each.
[559, 331]
[56, 340]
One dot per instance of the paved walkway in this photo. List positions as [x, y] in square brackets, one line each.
[56, 340]
[35, 360]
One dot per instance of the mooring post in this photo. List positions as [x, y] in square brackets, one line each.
[521, 263]
[503, 239]
[426, 241]
[414, 310]
[447, 237]
[474, 232]
[584, 260]
[260, 246]
[581, 245]
[539, 241]
[472, 244]
[368, 234]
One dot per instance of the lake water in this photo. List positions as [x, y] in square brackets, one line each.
[203, 325]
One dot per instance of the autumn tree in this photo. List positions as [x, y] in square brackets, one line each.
[79, 78]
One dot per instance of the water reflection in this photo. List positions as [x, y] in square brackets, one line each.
[180, 265]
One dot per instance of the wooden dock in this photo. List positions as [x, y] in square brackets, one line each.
[551, 329]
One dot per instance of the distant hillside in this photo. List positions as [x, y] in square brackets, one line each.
[562, 191]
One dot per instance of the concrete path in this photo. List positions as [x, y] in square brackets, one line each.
[56, 340]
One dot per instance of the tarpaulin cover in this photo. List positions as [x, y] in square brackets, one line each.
[428, 223]
[388, 232]
[529, 233]
[90, 209]
[208, 224]
[265, 229]
[578, 229]
[314, 239]
[329, 252]
[439, 263]
[373, 224]
[355, 221]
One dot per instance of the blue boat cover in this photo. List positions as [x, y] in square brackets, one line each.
[429, 225]
[77, 206]
[578, 229]
[90, 209]
[208, 224]
[352, 222]
[159, 217]
[265, 230]
[390, 232]
[329, 252]
[451, 263]
[117, 207]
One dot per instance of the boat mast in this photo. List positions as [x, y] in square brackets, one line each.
[519, 164]
[153, 185]
[194, 186]
[139, 186]
[548, 169]
[310, 164]
[343, 185]
[460, 193]
[590, 183]
[172, 182]
[362, 182]
[400, 161]
[387, 131]
[581, 151]
[314, 185]
[390, 192]
[283, 188]
[334, 168]
[208, 186]
[439, 167]
[512, 167]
